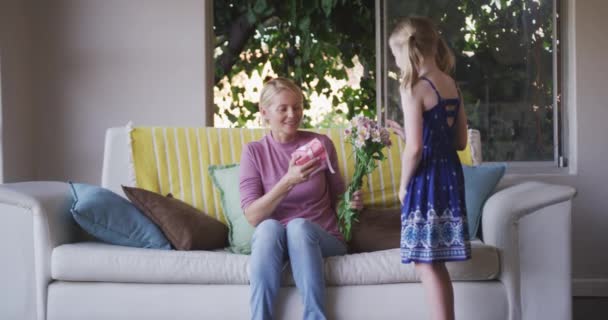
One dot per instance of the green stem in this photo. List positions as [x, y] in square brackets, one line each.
[347, 215]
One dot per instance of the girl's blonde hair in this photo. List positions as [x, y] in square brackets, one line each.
[419, 37]
[275, 86]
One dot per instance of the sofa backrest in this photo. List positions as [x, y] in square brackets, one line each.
[218, 146]
[116, 169]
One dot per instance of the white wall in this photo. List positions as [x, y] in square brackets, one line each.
[591, 206]
[17, 109]
[100, 63]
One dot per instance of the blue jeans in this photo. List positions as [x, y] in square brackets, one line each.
[305, 244]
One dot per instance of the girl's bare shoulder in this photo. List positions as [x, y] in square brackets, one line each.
[417, 91]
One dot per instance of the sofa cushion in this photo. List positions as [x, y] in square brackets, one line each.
[186, 227]
[111, 218]
[377, 229]
[226, 180]
[91, 261]
[479, 182]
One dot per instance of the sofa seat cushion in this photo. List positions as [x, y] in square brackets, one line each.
[92, 261]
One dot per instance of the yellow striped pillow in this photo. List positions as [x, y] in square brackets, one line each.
[175, 160]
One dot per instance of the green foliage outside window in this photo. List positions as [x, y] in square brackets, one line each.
[307, 41]
[504, 61]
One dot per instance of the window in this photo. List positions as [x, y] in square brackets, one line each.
[506, 66]
[327, 47]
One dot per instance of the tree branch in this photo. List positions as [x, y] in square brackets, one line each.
[240, 32]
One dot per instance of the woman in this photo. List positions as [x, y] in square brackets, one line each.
[292, 206]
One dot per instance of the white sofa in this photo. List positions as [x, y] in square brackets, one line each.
[51, 270]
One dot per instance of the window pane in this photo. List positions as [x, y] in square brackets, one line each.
[504, 67]
[326, 47]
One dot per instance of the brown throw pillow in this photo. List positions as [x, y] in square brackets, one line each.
[186, 227]
[377, 229]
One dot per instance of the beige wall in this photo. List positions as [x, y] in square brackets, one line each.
[17, 129]
[100, 63]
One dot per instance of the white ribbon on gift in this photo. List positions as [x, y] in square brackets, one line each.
[311, 155]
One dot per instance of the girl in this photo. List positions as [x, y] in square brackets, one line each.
[433, 214]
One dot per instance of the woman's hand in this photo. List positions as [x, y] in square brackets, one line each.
[299, 173]
[357, 200]
[396, 128]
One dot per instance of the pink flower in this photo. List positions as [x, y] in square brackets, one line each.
[363, 133]
[359, 142]
[376, 136]
[368, 140]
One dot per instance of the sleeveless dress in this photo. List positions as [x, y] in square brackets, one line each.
[433, 216]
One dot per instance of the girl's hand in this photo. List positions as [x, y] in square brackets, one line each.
[299, 173]
[396, 128]
[357, 200]
[402, 193]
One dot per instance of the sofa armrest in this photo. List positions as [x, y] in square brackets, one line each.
[35, 219]
[530, 225]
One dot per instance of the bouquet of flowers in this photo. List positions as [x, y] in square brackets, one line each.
[368, 140]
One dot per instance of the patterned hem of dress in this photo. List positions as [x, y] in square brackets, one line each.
[420, 260]
[445, 254]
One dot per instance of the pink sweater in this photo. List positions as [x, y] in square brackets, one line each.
[264, 162]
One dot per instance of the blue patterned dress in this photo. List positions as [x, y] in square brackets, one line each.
[433, 216]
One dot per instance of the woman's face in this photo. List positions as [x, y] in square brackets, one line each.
[284, 115]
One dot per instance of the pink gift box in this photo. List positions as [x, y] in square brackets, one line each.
[314, 148]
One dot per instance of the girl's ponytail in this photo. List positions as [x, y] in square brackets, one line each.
[419, 37]
[444, 56]
[412, 76]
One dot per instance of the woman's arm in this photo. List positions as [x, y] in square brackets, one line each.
[257, 205]
[260, 209]
[412, 121]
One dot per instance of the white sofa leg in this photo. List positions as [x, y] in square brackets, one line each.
[545, 263]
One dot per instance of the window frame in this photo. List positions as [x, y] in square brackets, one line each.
[560, 163]
[563, 64]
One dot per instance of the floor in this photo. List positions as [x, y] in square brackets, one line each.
[590, 308]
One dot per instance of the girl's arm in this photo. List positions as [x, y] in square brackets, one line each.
[412, 121]
[461, 135]
[396, 128]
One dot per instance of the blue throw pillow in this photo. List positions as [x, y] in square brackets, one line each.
[479, 182]
[113, 219]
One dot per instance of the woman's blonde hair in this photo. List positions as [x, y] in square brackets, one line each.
[275, 86]
[420, 37]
